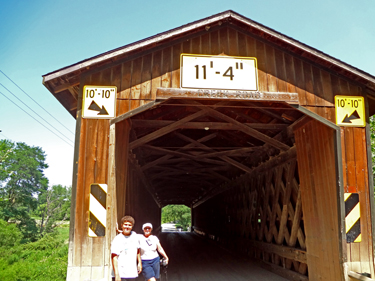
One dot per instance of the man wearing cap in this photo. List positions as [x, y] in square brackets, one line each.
[150, 246]
[125, 252]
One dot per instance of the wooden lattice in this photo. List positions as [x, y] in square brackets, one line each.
[264, 219]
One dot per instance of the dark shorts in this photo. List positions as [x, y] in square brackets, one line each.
[151, 268]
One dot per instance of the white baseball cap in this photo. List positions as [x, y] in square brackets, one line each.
[147, 225]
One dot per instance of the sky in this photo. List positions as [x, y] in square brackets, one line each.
[38, 37]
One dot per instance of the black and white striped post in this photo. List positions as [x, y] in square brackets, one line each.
[97, 210]
[352, 218]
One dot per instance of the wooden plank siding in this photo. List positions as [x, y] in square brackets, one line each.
[354, 151]
[137, 80]
[318, 184]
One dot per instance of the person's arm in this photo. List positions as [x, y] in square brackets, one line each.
[115, 267]
[162, 252]
[139, 261]
[117, 229]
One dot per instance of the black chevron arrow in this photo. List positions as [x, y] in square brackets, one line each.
[348, 119]
[95, 107]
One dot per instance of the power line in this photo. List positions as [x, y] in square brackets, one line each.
[34, 118]
[36, 102]
[4, 136]
[34, 112]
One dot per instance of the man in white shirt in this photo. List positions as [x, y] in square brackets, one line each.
[125, 252]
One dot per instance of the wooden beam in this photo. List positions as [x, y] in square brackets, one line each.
[232, 152]
[269, 113]
[166, 93]
[180, 154]
[74, 93]
[166, 130]
[282, 251]
[134, 112]
[205, 125]
[191, 175]
[166, 157]
[66, 86]
[225, 158]
[254, 133]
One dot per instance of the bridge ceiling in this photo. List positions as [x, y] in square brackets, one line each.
[187, 149]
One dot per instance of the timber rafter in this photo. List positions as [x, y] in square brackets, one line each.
[190, 149]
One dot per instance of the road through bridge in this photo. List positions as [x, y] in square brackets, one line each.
[194, 258]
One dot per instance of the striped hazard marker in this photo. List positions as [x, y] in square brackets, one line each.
[97, 210]
[352, 218]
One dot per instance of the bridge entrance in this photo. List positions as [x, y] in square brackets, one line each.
[262, 178]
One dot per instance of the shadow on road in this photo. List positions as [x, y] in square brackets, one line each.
[195, 258]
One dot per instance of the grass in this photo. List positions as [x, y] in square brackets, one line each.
[45, 259]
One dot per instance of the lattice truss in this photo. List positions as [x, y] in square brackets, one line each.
[267, 209]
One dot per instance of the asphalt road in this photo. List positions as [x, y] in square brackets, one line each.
[193, 258]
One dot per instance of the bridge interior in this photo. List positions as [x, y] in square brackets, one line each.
[234, 163]
[190, 150]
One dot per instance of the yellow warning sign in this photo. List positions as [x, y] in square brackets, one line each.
[350, 111]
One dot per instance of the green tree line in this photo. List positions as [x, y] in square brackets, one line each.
[26, 200]
[179, 214]
[32, 245]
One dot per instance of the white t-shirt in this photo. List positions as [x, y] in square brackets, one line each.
[126, 247]
[148, 247]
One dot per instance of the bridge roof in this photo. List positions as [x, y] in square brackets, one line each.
[64, 83]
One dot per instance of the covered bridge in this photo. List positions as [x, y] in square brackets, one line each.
[266, 166]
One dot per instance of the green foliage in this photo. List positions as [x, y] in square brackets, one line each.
[10, 235]
[24, 195]
[21, 181]
[179, 214]
[45, 259]
[372, 139]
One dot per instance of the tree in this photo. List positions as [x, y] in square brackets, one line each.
[180, 214]
[21, 181]
[53, 207]
[372, 139]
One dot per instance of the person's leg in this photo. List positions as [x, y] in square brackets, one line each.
[147, 270]
[156, 268]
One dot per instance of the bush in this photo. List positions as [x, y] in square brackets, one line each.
[45, 259]
[10, 235]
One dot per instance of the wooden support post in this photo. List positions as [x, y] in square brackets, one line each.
[111, 202]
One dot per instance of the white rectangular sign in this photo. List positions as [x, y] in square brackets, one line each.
[219, 72]
[99, 102]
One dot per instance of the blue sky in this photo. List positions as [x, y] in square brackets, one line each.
[38, 37]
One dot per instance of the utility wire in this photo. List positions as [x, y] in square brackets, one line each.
[34, 118]
[5, 136]
[36, 102]
[35, 112]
